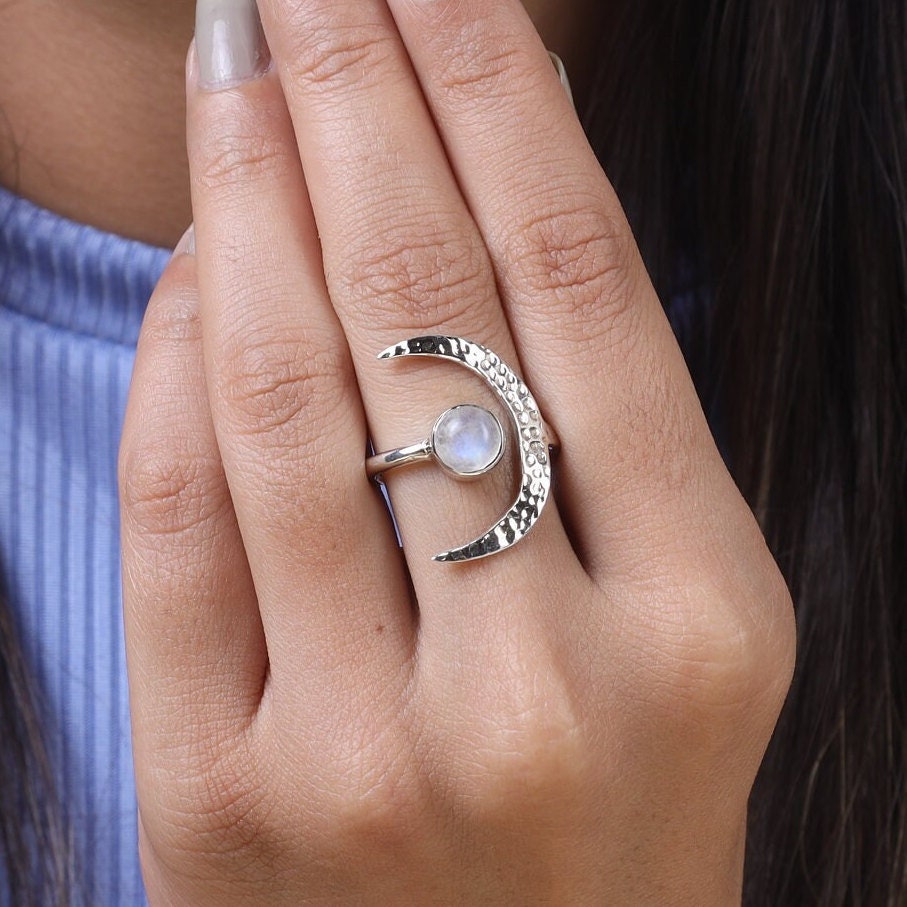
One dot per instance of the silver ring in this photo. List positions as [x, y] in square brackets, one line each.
[468, 441]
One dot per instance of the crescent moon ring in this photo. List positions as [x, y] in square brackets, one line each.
[537, 442]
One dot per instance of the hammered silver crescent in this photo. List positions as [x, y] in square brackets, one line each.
[534, 442]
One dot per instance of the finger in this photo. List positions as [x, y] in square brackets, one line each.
[595, 342]
[195, 645]
[286, 408]
[403, 258]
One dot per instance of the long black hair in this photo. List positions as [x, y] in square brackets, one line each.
[761, 149]
[36, 868]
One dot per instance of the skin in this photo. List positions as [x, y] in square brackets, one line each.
[92, 105]
[321, 719]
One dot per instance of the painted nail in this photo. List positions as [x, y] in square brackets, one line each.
[186, 246]
[562, 73]
[230, 43]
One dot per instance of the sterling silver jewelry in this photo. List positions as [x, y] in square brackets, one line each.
[468, 441]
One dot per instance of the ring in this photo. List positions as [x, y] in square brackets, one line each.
[468, 441]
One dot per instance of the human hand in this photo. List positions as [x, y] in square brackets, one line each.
[319, 718]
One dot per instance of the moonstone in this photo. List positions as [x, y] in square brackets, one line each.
[468, 440]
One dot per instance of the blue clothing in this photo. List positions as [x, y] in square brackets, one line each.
[71, 304]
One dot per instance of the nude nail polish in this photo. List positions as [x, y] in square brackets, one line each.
[186, 245]
[562, 73]
[230, 43]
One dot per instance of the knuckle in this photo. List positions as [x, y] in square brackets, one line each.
[472, 68]
[536, 753]
[379, 818]
[331, 53]
[375, 797]
[236, 157]
[173, 317]
[773, 643]
[274, 387]
[218, 810]
[168, 487]
[732, 661]
[233, 812]
[419, 283]
[582, 265]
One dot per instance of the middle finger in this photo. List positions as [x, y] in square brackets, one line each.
[403, 257]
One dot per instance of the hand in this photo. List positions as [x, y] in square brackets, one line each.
[319, 718]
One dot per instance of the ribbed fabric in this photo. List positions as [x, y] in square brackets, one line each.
[71, 304]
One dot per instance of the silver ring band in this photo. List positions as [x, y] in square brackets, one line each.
[477, 454]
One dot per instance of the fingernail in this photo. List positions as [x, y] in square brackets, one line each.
[230, 43]
[562, 72]
[186, 246]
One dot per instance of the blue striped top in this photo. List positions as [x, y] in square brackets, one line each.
[71, 304]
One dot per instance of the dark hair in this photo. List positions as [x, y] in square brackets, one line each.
[36, 869]
[761, 149]
[764, 147]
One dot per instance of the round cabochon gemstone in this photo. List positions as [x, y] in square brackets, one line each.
[468, 440]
